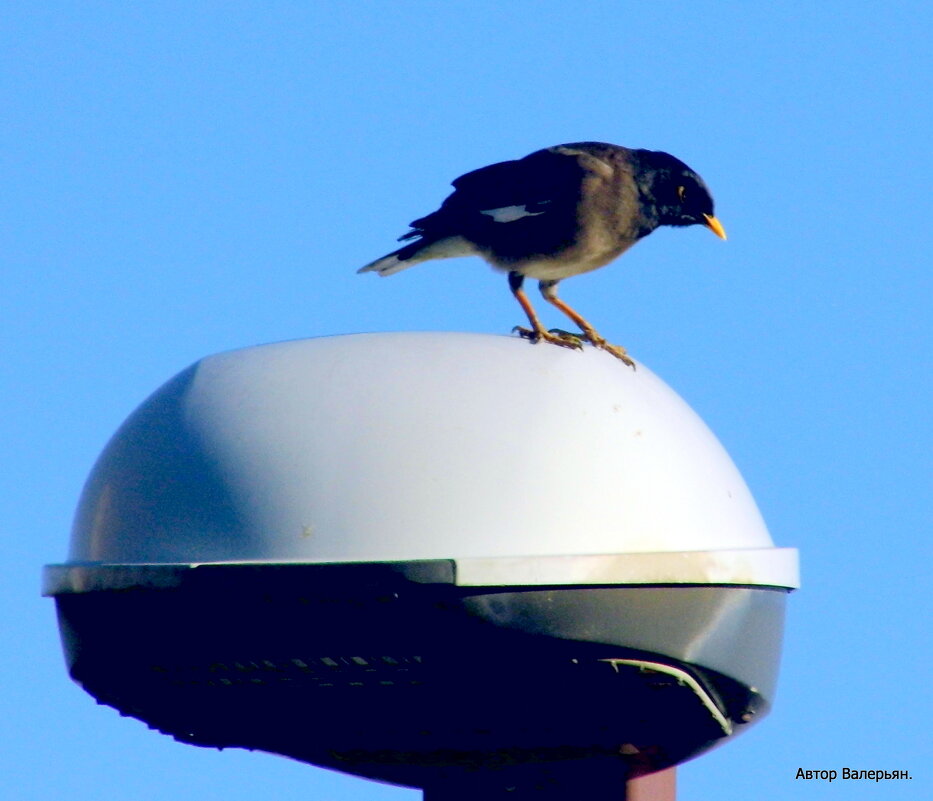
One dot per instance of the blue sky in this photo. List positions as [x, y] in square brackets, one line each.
[185, 178]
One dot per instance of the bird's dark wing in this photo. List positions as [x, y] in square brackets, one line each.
[544, 175]
[541, 185]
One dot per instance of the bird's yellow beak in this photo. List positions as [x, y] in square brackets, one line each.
[715, 226]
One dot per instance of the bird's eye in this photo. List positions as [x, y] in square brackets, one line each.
[681, 191]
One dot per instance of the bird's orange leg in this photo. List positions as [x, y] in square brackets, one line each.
[537, 332]
[549, 293]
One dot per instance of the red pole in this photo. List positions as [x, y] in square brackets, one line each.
[660, 786]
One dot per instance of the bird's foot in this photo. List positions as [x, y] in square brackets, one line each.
[555, 337]
[616, 350]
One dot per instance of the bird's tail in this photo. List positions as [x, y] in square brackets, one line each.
[417, 252]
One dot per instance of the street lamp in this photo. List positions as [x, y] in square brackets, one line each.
[449, 561]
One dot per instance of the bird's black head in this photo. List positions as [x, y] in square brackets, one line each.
[672, 193]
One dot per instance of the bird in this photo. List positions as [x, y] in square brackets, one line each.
[558, 212]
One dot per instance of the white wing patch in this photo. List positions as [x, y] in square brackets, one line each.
[509, 214]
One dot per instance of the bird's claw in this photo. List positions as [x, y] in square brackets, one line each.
[620, 353]
[554, 336]
[568, 336]
[616, 350]
[557, 336]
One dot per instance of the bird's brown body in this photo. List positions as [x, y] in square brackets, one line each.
[556, 213]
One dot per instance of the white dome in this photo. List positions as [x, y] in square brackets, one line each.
[386, 447]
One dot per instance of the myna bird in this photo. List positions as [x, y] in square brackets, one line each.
[558, 212]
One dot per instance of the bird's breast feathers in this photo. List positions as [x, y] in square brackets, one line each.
[554, 238]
